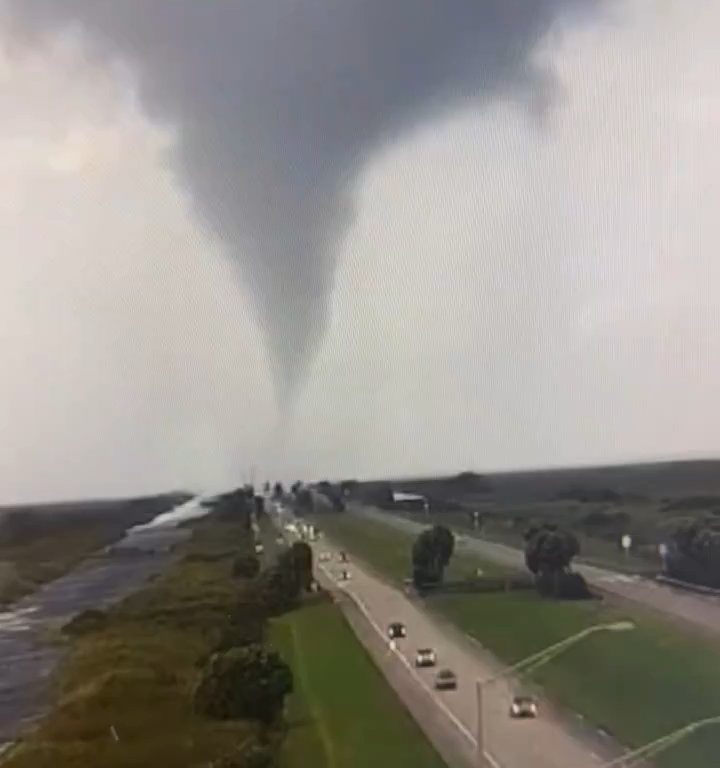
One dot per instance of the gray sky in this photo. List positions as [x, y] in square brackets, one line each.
[359, 239]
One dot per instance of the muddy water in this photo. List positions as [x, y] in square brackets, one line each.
[26, 660]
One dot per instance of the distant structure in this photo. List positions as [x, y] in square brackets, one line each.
[413, 502]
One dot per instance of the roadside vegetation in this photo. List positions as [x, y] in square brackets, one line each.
[637, 685]
[39, 544]
[196, 670]
[599, 505]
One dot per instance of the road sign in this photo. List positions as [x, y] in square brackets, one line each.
[626, 542]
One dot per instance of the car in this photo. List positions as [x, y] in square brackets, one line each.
[342, 557]
[446, 680]
[425, 657]
[523, 706]
[396, 629]
[344, 575]
[325, 557]
[259, 549]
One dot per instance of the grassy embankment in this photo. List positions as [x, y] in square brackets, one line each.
[342, 713]
[136, 671]
[40, 544]
[637, 685]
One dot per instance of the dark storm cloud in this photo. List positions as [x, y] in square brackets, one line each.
[278, 104]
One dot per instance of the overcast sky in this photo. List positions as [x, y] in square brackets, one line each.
[353, 239]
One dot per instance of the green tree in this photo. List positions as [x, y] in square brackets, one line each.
[247, 682]
[279, 586]
[431, 553]
[695, 553]
[301, 558]
[549, 552]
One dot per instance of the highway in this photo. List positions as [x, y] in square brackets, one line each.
[547, 742]
[702, 611]
[541, 743]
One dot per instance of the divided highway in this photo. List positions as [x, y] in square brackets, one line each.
[547, 742]
[702, 611]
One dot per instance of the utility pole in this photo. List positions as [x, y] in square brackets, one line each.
[480, 731]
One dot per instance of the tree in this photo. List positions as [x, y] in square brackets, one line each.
[278, 491]
[431, 553]
[280, 586]
[304, 500]
[694, 554]
[301, 556]
[549, 551]
[248, 683]
[348, 486]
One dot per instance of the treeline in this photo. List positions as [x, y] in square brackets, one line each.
[694, 553]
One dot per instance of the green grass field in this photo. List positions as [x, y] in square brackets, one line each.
[342, 713]
[637, 685]
[387, 549]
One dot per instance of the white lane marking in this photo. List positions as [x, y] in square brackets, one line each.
[441, 704]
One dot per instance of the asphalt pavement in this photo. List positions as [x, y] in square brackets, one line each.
[450, 718]
[545, 742]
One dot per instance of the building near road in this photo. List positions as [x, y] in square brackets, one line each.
[410, 501]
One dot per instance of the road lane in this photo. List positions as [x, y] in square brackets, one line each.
[701, 611]
[541, 743]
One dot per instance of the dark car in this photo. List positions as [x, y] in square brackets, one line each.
[396, 629]
[446, 680]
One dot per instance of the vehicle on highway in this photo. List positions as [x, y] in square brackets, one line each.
[342, 557]
[523, 706]
[446, 680]
[344, 575]
[425, 657]
[259, 549]
[396, 629]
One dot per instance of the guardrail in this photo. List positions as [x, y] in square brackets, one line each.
[689, 586]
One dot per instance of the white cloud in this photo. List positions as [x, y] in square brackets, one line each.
[529, 292]
[518, 288]
[130, 359]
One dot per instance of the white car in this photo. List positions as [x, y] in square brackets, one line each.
[425, 657]
[523, 706]
[259, 549]
[344, 576]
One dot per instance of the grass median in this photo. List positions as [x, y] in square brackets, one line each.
[387, 549]
[342, 714]
[636, 685]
